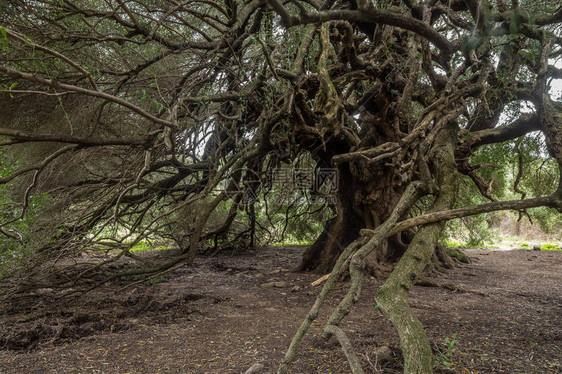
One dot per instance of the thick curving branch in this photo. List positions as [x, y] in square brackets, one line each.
[523, 125]
[369, 15]
[552, 201]
[18, 137]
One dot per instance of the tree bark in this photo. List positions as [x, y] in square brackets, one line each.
[339, 231]
[392, 297]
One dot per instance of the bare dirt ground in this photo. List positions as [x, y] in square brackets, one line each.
[225, 314]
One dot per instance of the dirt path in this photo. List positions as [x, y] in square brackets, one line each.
[230, 312]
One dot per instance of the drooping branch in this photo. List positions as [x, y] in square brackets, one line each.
[28, 43]
[72, 88]
[39, 166]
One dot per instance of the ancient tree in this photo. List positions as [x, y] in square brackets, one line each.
[131, 121]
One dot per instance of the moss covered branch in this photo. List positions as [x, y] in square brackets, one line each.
[392, 297]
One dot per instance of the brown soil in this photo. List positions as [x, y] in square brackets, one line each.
[504, 311]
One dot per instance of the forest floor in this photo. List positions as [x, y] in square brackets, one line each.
[499, 314]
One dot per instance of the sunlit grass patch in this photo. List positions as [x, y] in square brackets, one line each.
[551, 247]
[144, 246]
[291, 243]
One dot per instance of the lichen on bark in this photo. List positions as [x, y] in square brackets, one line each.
[392, 297]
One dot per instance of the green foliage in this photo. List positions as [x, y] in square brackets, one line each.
[551, 247]
[155, 280]
[548, 219]
[523, 245]
[539, 178]
[543, 247]
[479, 231]
[291, 243]
[445, 355]
[22, 236]
[458, 255]
[144, 246]
[451, 243]
[473, 231]
[3, 38]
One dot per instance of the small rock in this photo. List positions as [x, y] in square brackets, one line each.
[256, 368]
[296, 289]
[280, 284]
[383, 354]
[268, 285]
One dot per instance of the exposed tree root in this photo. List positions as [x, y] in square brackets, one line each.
[354, 363]
[313, 313]
[392, 297]
[357, 251]
[411, 195]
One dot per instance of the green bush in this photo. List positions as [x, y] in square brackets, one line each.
[19, 237]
